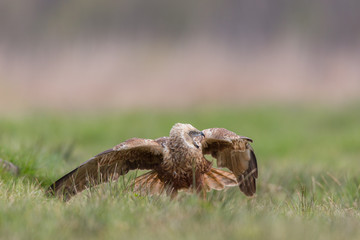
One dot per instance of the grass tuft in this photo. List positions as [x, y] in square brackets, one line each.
[308, 186]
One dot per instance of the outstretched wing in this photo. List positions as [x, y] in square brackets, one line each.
[235, 153]
[134, 153]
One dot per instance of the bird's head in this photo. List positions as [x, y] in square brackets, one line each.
[189, 134]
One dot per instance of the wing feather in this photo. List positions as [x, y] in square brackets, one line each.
[135, 153]
[235, 153]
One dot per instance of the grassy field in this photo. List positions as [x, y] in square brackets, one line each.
[308, 186]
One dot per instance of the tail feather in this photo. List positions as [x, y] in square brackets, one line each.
[218, 179]
[149, 183]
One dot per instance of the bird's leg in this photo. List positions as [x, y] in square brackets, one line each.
[201, 189]
[170, 191]
[204, 194]
[201, 192]
[173, 194]
[194, 182]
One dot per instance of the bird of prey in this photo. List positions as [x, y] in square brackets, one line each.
[176, 163]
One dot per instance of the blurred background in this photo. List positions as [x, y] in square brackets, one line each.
[87, 54]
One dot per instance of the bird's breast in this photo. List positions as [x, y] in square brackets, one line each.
[183, 164]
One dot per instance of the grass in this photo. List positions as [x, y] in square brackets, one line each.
[308, 188]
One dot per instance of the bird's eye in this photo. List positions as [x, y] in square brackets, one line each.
[192, 133]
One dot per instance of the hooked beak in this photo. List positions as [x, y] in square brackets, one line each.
[246, 138]
[194, 135]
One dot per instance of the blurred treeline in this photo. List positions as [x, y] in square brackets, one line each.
[322, 22]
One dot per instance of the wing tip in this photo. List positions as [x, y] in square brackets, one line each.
[247, 183]
[56, 186]
[248, 190]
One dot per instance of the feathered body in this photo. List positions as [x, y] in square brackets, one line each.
[176, 162]
[183, 164]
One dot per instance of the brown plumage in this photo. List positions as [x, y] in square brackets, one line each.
[176, 162]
